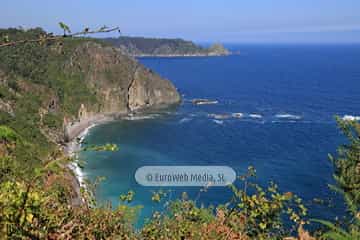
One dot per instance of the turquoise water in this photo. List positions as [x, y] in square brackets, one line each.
[296, 89]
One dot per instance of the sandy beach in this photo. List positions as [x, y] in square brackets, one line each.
[75, 133]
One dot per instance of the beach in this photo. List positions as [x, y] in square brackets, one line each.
[75, 134]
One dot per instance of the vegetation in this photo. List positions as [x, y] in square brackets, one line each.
[347, 176]
[259, 215]
[37, 191]
[139, 46]
[35, 91]
[38, 206]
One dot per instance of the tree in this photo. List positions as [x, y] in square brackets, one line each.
[42, 38]
[347, 177]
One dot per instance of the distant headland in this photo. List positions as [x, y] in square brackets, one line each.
[161, 47]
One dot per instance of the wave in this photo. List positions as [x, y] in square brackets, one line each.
[237, 115]
[288, 116]
[73, 149]
[219, 116]
[220, 122]
[78, 172]
[82, 135]
[287, 121]
[184, 120]
[257, 116]
[351, 118]
[141, 117]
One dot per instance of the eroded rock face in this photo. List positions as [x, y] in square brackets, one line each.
[149, 90]
[120, 83]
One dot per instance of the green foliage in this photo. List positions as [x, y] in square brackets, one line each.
[7, 134]
[158, 196]
[37, 190]
[163, 46]
[157, 46]
[127, 198]
[38, 205]
[347, 176]
[34, 75]
[263, 209]
[347, 165]
[5, 93]
[64, 27]
[337, 233]
[107, 147]
[53, 121]
[259, 215]
[31, 212]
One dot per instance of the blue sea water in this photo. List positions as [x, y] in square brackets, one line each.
[296, 89]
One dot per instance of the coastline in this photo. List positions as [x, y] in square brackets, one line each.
[76, 132]
[179, 55]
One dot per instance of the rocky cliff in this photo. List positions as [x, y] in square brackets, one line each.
[46, 89]
[121, 85]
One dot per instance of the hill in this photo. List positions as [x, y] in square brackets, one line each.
[46, 89]
[140, 46]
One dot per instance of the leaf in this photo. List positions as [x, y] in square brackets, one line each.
[64, 27]
[102, 148]
[29, 217]
[262, 226]
[127, 197]
[6, 38]
[332, 227]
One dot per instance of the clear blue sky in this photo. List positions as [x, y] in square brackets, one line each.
[199, 20]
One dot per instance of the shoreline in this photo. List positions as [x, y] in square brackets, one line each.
[78, 131]
[75, 132]
[179, 55]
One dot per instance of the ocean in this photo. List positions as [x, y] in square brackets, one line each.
[288, 96]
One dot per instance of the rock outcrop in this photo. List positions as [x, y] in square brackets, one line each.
[81, 80]
[120, 83]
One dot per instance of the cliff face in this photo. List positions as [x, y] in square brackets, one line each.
[120, 83]
[47, 89]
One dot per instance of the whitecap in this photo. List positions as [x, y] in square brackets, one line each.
[220, 122]
[184, 120]
[237, 115]
[204, 101]
[288, 116]
[82, 135]
[351, 118]
[140, 117]
[253, 115]
[219, 116]
[73, 148]
[78, 172]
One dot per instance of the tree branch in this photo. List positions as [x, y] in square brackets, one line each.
[58, 37]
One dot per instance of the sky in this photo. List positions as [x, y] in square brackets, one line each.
[235, 21]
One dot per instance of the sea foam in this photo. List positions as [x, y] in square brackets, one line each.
[184, 120]
[237, 115]
[351, 118]
[288, 116]
[220, 122]
[140, 117]
[258, 116]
